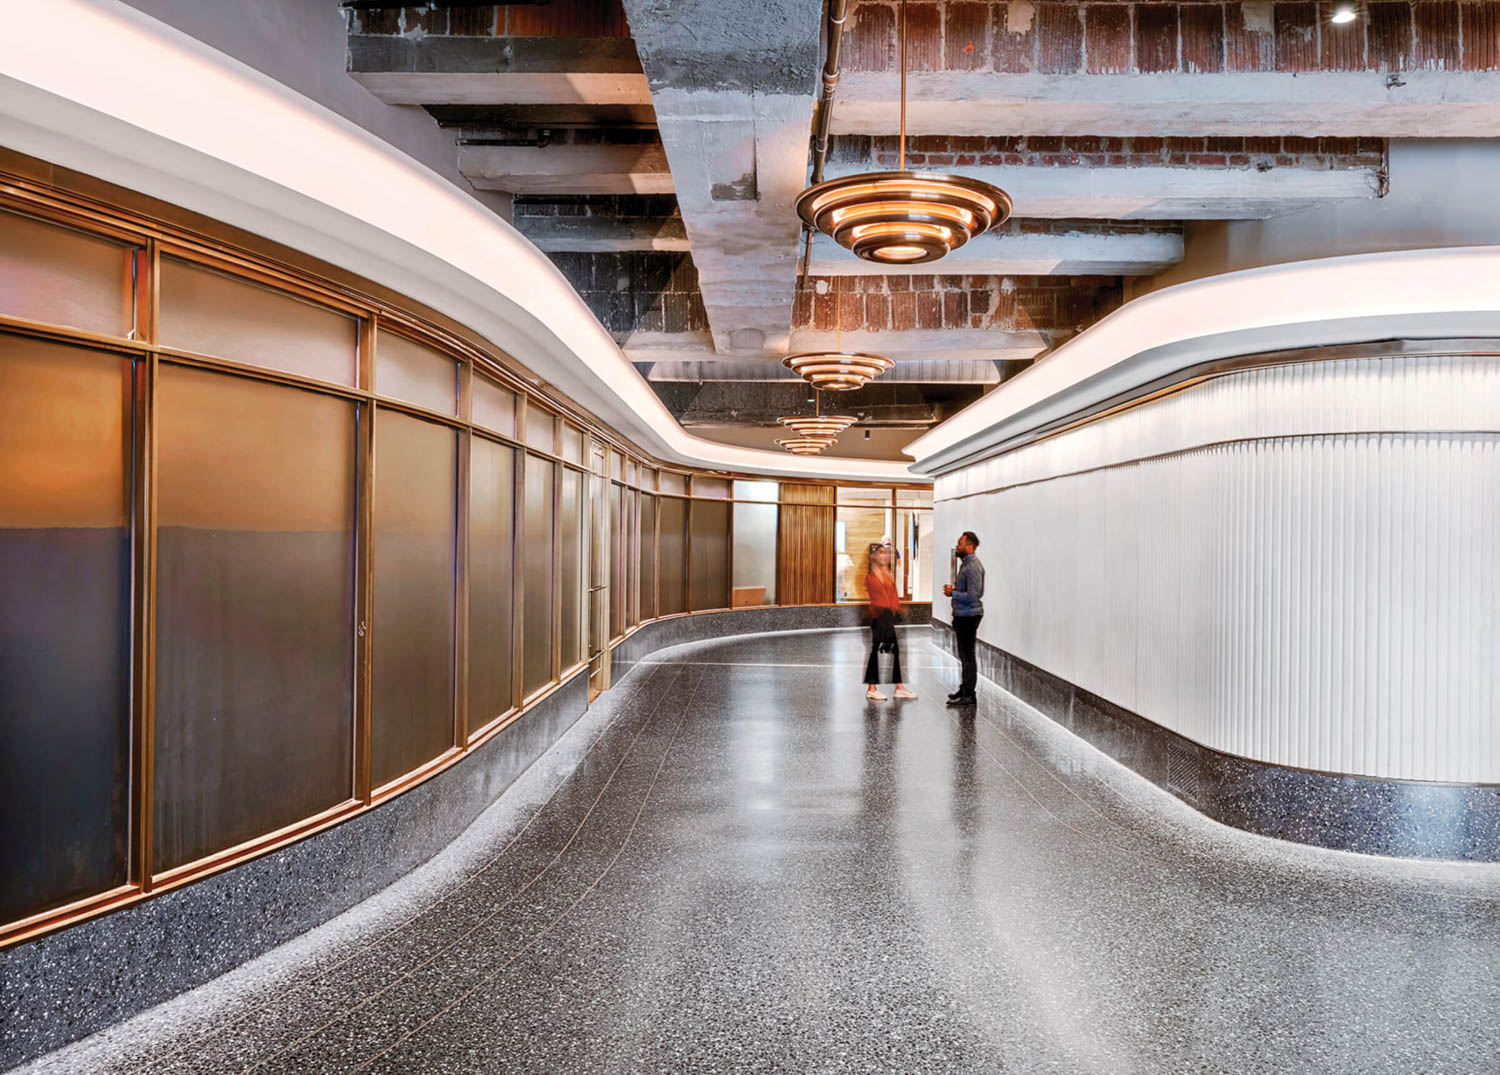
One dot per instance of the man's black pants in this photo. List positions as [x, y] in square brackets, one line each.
[965, 629]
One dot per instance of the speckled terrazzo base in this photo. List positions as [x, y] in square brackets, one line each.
[1408, 819]
[733, 863]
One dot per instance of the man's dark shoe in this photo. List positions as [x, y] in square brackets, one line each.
[963, 700]
[955, 694]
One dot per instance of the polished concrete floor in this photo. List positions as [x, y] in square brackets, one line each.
[734, 864]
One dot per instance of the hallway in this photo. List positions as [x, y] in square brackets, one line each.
[732, 863]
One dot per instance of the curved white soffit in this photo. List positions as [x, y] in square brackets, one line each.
[98, 87]
[1418, 294]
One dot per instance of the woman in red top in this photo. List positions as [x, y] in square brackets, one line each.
[885, 609]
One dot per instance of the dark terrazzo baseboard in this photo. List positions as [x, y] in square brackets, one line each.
[1373, 816]
[702, 626]
[67, 985]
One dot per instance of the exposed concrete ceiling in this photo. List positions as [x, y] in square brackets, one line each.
[1109, 124]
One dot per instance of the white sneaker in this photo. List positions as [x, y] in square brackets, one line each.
[874, 695]
[902, 692]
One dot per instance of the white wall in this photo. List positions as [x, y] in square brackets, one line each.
[302, 44]
[1441, 193]
[1296, 564]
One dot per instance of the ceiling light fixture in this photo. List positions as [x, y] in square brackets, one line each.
[805, 445]
[827, 425]
[902, 217]
[837, 371]
[1342, 13]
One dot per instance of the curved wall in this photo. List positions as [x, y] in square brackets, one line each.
[1295, 563]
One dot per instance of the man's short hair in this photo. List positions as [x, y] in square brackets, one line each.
[972, 538]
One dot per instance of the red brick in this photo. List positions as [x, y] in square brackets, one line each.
[1059, 39]
[1295, 144]
[951, 283]
[1297, 37]
[1156, 38]
[567, 18]
[903, 311]
[1223, 145]
[1044, 144]
[1481, 42]
[924, 38]
[1246, 49]
[929, 310]
[966, 35]
[1208, 160]
[1437, 37]
[1147, 145]
[1202, 37]
[823, 312]
[802, 308]
[1389, 36]
[870, 41]
[851, 310]
[922, 283]
[1106, 32]
[384, 20]
[1014, 52]
[1263, 145]
[897, 284]
[473, 21]
[877, 312]
[1343, 44]
[956, 308]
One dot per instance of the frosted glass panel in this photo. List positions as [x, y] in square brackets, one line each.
[914, 498]
[648, 556]
[65, 277]
[855, 530]
[570, 567]
[672, 482]
[541, 429]
[572, 441]
[494, 407]
[255, 610]
[537, 641]
[414, 559]
[409, 371]
[492, 493]
[215, 315]
[672, 560]
[864, 496]
[716, 487]
[768, 491]
[709, 566]
[754, 552]
[64, 623]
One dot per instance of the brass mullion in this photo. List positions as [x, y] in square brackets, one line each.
[517, 572]
[461, 594]
[556, 591]
[364, 592]
[144, 508]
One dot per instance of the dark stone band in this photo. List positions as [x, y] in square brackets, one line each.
[1370, 815]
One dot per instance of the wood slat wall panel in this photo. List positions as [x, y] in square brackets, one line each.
[804, 567]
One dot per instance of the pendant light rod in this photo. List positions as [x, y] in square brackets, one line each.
[901, 167]
[838, 11]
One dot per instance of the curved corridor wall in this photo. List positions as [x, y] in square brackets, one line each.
[1295, 561]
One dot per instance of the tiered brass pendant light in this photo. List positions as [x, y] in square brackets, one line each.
[837, 371]
[902, 217]
[805, 445]
[827, 425]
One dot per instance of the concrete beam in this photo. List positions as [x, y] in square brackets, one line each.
[1406, 104]
[567, 169]
[1024, 254]
[733, 89]
[1163, 193]
[603, 235]
[461, 70]
[922, 355]
[528, 88]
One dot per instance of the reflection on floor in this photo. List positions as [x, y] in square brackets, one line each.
[735, 864]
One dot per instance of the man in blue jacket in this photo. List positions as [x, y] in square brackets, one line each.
[967, 591]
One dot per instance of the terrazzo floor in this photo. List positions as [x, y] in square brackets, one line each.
[733, 863]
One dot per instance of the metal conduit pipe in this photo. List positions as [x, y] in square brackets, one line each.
[837, 11]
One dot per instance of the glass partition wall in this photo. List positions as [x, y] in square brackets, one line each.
[261, 532]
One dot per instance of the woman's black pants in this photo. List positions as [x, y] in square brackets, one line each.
[883, 635]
